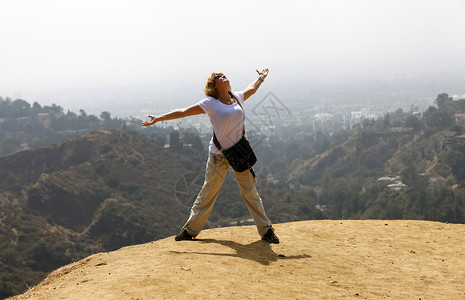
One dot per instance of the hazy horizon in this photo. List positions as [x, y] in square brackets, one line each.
[154, 53]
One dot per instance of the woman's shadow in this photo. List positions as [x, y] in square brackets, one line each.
[259, 251]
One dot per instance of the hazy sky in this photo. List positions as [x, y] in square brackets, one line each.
[49, 45]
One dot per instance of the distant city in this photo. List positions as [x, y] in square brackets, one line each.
[276, 103]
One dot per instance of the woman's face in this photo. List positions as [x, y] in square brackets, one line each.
[220, 80]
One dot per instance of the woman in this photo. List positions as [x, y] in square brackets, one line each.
[227, 118]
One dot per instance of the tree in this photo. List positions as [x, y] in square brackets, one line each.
[54, 109]
[455, 160]
[277, 165]
[386, 122]
[192, 138]
[5, 290]
[440, 119]
[411, 178]
[106, 116]
[158, 138]
[36, 108]
[444, 205]
[19, 108]
[413, 122]
[442, 100]
[175, 142]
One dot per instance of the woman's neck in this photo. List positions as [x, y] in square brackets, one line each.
[223, 96]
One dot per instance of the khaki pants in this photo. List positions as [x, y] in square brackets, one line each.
[217, 166]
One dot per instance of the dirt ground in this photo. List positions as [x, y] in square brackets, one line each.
[370, 259]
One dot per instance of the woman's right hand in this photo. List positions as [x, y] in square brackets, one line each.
[153, 120]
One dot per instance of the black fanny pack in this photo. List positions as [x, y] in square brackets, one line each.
[240, 156]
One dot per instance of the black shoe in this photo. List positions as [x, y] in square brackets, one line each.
[270, 237]
[183, 236]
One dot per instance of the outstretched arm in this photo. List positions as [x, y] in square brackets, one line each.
[253, 87]
[175, 114]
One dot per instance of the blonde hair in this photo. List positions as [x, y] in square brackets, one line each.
[210, 85]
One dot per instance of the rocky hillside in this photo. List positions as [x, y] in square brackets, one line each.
[371, 259]
[96, 193]
[372, 154]
[93, 181]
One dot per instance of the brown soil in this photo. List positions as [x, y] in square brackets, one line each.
[371, 259]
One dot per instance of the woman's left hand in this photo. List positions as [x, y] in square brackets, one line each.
[263, 73]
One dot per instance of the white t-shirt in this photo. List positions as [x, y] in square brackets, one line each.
[227, 121]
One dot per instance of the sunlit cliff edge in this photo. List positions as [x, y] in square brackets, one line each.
[368, 259]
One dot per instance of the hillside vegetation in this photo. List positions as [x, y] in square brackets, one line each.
[416, 171]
